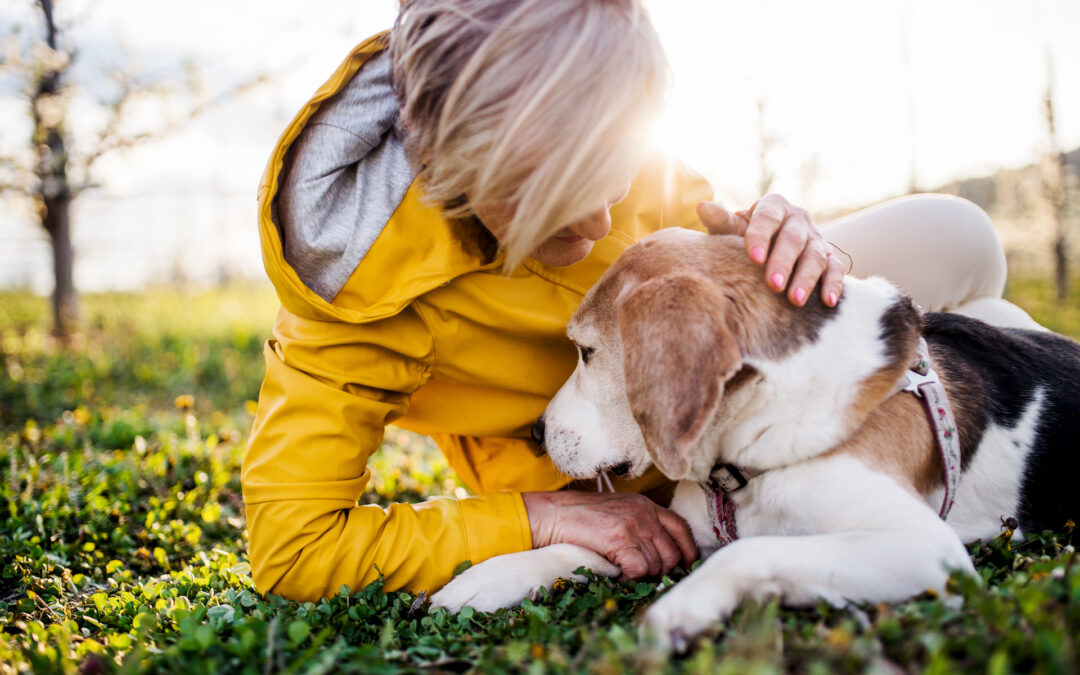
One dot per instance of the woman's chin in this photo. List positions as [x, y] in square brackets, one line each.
[557, 252]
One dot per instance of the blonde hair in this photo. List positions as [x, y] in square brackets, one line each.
[535, 108]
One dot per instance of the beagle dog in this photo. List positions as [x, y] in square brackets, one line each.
[805, 469]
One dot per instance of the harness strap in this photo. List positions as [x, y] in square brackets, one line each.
[927, 387]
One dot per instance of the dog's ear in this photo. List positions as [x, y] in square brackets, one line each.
[677, 354]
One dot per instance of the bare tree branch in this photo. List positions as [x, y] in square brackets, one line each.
[50, 25]
[113, 138]
[26, 192]
[11, 56]
[10, 163]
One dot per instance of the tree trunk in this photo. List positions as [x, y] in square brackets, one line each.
[57, 221]
[1061, 262]
[54, 190]
[1059, 206]
[1055, 187]
[1061, 269]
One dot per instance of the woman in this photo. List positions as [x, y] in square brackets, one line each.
[431, 219]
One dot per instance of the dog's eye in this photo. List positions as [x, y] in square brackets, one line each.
[586, 353]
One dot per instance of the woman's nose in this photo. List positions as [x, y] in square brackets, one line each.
[595, 226]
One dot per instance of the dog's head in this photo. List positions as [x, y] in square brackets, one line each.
[686, 357]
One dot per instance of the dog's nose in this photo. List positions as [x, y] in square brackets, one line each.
[621, 470]
[538, 435]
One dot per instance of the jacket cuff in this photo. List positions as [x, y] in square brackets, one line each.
[495, 524]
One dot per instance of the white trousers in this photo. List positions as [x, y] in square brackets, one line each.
[942, 250]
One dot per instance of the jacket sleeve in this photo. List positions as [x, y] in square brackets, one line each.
[329, 391]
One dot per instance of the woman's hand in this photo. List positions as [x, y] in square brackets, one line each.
[783, 238]
[630, 530]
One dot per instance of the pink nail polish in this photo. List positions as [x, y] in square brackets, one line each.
[758, 254]
[777, 280]
[800, 295]
[833, 298]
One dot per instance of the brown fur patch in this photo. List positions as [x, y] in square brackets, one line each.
[901, 326]
[675, 370]
[896, 439]
[764, 324]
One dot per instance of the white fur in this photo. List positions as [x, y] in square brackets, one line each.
[589, 423]
[990, 487]
[503, 581]
[794, 412]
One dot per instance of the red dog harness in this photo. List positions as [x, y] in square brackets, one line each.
[923, 382]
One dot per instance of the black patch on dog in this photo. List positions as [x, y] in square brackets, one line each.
[812, 317]
[993, 376]
[797, 327]
[901, 325]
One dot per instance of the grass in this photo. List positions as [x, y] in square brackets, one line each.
[123, 544]
[1037, 296]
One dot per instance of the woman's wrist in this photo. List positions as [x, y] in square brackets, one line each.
[537, 507]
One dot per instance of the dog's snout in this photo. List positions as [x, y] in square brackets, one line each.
[621, 470]
[538, 435]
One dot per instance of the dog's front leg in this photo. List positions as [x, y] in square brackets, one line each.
[861, 566]
[506, 580]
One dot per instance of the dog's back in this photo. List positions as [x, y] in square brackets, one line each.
[1017, 395]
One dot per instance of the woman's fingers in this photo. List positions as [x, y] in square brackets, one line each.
[811, 266]
[784, 237]
[656, 532]
[652, 558]
[681, 535]
[667, 550]
[718, 220]
[832, 284]
[766, 218]
[788, 247]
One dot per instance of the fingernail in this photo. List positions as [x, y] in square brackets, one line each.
[833, 298]
[757, 254]
[777, 280]
[800, 295]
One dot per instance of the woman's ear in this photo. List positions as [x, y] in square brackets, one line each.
[677, 354]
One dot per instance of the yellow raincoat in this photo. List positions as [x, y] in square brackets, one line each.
[429, 336]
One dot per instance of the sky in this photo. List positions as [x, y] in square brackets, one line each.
[856, 94]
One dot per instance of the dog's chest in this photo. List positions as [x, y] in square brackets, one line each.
[771, 504]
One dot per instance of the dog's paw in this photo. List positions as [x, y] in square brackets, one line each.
[485, 587]
[506, 580]
[686, 611]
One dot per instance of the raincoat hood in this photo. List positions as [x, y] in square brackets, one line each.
[333, 217]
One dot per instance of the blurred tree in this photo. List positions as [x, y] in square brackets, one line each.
[59, 167]
[1056, 189]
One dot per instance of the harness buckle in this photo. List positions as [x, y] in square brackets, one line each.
[916, 380]
[728, 478]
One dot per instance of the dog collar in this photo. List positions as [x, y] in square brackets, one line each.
[725, 478]
[924, 383]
